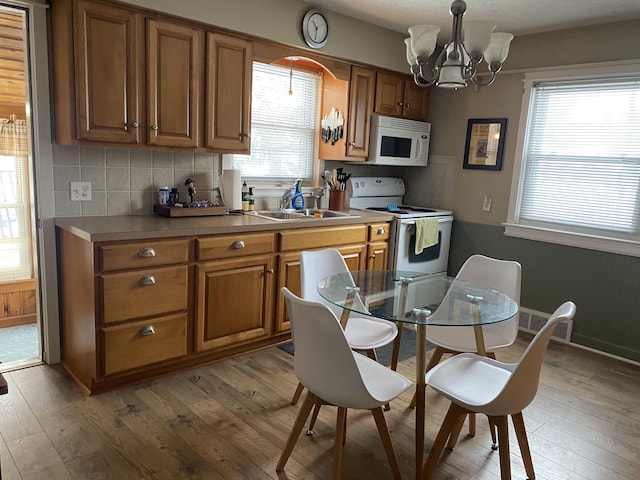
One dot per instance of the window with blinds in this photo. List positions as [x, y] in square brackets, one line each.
[580, 166]
[284, 128]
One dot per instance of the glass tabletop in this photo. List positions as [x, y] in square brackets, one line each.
[410, 297]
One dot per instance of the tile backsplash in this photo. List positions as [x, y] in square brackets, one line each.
[126, 181]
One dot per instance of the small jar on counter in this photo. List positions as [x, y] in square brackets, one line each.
[163, 196]
[174, 197]
[252, 200]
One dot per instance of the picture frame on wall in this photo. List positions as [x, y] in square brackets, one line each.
[484, 147]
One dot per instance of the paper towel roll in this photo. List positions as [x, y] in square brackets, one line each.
[231, 189]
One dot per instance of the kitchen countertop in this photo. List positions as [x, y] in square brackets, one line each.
[140, 227]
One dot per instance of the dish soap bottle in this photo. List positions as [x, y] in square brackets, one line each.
[298, 199]
[252, 206]
[245, 197]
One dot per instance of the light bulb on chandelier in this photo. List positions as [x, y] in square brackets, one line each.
[461, 55]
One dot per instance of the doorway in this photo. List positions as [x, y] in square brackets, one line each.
[19, 318]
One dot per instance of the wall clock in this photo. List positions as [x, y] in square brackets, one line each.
[315, 28]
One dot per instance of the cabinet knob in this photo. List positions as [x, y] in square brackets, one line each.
[380, 231]
[154, 127]
[135, 124]
[400, 104]
[353, 144]
[146, 253]
[238, 244]
[408, 105]
[148, 280]
[373, 256]
[244, 135]
[147, 330]
[271, 271]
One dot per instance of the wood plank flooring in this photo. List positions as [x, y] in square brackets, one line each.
[230, 420]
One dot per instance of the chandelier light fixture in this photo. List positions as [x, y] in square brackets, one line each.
[460, 57]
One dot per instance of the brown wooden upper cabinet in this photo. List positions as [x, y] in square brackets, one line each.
[107, 73]
[361, 97]
[228, 120]
[137, 77]
[174, 84]
[399, 96]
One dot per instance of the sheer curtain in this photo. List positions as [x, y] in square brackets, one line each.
[15, 231]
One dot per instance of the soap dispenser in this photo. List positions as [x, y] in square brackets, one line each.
[298, 200]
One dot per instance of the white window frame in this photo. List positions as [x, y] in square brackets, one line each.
[514, 227]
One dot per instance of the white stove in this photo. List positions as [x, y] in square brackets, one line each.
[386, 194]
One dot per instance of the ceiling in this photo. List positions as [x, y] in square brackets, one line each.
[520, 17]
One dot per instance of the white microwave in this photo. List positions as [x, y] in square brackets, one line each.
[397, 141]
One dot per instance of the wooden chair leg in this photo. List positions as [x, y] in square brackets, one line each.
[433, 361]
[314, 417]
[472, 424]
[455, 433]
[371, 353]
[383, 431]
[503, 447]
[297, 393]
[450, 420]
[340, 432]
[309, 401]
[521, 434]
[395, 353]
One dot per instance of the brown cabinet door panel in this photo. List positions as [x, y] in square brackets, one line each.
[389, 94]
[416, 101]
[235, 301]
[228, 121]
[361, 96]
[107, 73]
[174, 63]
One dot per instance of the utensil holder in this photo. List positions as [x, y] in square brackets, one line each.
[337, 200]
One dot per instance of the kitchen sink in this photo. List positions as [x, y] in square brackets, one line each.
[305, 214]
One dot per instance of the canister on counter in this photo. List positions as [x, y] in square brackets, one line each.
[174, 197]
[163, 196]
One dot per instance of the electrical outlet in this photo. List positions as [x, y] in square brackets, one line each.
[486, 203]
[80, 191]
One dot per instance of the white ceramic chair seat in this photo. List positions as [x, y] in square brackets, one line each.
[365, 333]
[471, 381]
[462, 339]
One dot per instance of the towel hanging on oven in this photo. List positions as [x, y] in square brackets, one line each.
[426, 231]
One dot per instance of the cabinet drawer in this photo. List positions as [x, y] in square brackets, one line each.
[143, 293]
[142, 254]
[143, 343]
[379, 232]
[229, 246]
[322, 237]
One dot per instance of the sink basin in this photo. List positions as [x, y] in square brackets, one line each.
[305, 214]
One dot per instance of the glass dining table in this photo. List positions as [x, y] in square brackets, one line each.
[419, 300]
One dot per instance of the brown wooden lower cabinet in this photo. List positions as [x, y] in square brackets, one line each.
[134, 310]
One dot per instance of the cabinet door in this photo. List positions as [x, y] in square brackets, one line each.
[416, 101]
[234, 301]
[361, 92]
[389, 94]
[107, 73]
[228, 117]
[377, 256]
[289, 276]
[174, 83]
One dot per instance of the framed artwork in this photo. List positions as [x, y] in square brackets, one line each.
[485, 143]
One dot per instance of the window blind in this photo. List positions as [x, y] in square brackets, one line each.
[15, 236]
[582, 157]
[284, 128]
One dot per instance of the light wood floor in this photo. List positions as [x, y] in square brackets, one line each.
[229, 420]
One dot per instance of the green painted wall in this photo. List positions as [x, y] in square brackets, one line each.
[605, 287]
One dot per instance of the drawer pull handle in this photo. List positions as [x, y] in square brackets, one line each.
[380, 231]
[147, 330]
[238, 244]
[148, 280]
[146, 253]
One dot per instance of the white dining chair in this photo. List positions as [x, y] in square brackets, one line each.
[363, 333]
[476, 384]
[501, 275]
[336, 375]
